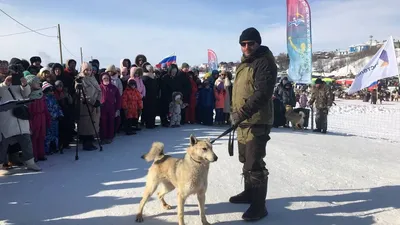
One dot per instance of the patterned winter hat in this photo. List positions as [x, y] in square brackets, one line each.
[46, 85]
[59, 83]
[32, 79]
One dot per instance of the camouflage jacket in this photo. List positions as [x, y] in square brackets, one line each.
[254, 86]
[322, 97]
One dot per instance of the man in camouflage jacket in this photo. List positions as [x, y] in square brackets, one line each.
[321, 95]
[253, 116]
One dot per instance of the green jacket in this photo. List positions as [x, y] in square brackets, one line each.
[254, 85]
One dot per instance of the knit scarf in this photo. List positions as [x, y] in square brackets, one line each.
[36, 94]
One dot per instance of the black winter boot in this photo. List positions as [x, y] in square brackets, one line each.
[259, 185]
[245, 196]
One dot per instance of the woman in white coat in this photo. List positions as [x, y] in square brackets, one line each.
[14, 130]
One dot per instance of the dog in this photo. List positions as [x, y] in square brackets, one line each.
[296, 119]
[189, 175]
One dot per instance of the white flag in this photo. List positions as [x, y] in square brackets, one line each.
[382, 65]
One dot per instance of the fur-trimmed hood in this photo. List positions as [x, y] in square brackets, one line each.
[140, 56]
[121, 63]
[176, 93]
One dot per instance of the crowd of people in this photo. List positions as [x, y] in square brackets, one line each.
[100, 102]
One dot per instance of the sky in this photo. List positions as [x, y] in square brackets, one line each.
[110, 30]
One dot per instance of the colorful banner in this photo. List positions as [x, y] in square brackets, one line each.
[298, 33]
[212, 60]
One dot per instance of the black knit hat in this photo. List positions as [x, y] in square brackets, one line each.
[250, 34]
[318, 81]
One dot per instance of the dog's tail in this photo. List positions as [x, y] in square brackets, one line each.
[156, 152]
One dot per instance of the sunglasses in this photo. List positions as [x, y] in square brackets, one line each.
[250, 43]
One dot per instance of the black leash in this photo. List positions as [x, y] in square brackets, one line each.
[231, 132]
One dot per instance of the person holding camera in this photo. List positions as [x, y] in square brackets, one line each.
[89, 106]
[14, 123]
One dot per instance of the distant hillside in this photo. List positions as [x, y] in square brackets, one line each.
[355, 67]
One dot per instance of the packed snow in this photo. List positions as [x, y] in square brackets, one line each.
[337, 178]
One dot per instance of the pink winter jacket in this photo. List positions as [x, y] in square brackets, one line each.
[219, 98]
[140, 86]
[303, 100]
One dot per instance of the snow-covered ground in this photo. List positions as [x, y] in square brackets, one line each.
[354, 117]
[314, 179]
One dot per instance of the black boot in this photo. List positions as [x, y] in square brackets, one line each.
[245, 196]
[259, 185]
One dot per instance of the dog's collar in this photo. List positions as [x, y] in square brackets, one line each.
[195, 160]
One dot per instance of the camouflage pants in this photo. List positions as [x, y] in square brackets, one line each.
[321, 118]
[252, 142]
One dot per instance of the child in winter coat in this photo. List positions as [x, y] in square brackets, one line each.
[303, 99]
[175, 108]
[111, 103]
[219, 93]
[39, 118]
[65, 101]
[55, 113]
[206, 104]
[132, 104]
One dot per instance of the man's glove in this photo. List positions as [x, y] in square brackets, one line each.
[97, 104]
[237, 118]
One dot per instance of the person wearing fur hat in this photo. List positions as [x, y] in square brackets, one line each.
[252, 115]
[35, 66]
[125, 63]
[66, 123]
[92, 90]
[40, 118]
[111, 103]
[45, 75]
[132, 105]
[15, 129]
[150, 100]
[51, 143]
[140, 60]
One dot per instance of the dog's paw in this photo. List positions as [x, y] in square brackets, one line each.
[139, 218]
[167, 207]
[206, 223]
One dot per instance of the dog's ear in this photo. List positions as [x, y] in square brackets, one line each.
[193, 140]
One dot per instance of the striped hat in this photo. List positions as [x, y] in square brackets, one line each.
[46, 85]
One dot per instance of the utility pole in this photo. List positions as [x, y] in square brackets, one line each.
[81, 56]
[60, 43]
